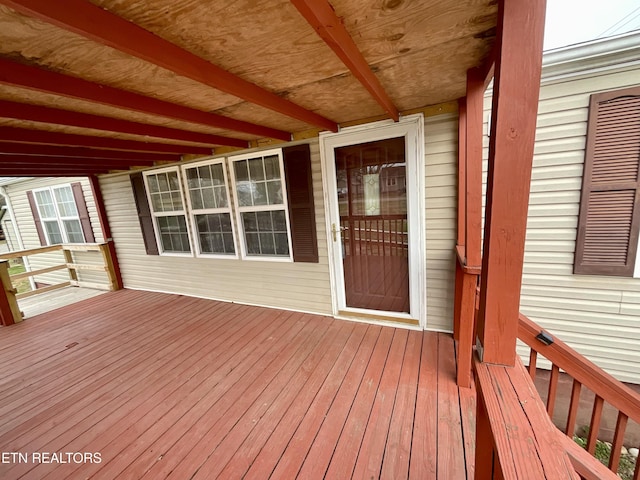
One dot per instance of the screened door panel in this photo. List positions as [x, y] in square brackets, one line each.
[372, 202]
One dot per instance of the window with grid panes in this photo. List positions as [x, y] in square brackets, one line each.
[59, 215]
[261, 206]
[209, 208]
[168, 211]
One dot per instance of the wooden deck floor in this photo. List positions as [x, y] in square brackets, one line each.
[165, 386]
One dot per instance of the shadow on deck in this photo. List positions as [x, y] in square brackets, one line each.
[166, 386]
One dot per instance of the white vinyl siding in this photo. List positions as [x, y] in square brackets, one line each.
[596, 315]
[25, 224]
[296, 286]
[441, 190]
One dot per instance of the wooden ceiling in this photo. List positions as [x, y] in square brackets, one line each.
[90, 87]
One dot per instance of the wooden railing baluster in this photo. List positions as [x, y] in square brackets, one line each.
[573, 408]
[553, 389]
[533, 360]
[618, 438]
[594, 426]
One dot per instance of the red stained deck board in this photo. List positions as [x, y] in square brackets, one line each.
[42, 386]
[143, 384]
[451, 461]
[398, 450]
[322, 449]
[166, 386]
[219, 421]
[293, 457]
[185, 405]
[119, 436]
[370, 457]
[278, 391]
[348, 445]
[75, 385]
[424, 446]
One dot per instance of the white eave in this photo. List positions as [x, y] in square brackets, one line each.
[600, 55]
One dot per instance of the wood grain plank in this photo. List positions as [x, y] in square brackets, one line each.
[287, 376]
[398, 449]
[319, 456]
[183, 404]
[186, 456]
[424, 447]
[370, 457]
[451, 463]
[135, 398]
[348, 445]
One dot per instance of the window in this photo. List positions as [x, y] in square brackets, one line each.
[58, 215]
[210, 208]
[259, 189]
[272, 206]
[167, 210]
[609, 222]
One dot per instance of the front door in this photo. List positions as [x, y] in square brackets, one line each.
[373, 179]
[371, 183]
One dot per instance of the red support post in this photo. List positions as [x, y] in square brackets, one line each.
[106, 229]
[474, 109]
[513, 126]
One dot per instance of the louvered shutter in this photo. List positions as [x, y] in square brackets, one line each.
[609, 220]
[83, 213]
[36, 218]
[302, 218]
[144, 214]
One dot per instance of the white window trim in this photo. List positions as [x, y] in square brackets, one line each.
[261, 208]
[155, 215]
[59, 218]
[195, 242]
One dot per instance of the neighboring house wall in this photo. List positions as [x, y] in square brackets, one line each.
[296, 286]
[596, 315]
[25, 223]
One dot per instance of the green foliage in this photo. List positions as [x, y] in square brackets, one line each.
[603, 453]
[21, 285]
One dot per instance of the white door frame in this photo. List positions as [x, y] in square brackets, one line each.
[412, 128]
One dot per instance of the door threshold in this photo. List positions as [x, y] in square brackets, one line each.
[371, 317]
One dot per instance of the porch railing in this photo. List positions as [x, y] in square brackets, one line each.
[586, 374]
[607, 391]
[8, 301]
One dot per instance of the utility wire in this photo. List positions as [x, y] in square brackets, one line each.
[624, 20]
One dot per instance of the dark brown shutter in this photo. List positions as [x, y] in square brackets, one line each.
[609, 220]
[83, 213]
[302, 217]
[36, 218]
[144, 214]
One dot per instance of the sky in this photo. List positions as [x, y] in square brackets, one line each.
[575, 21]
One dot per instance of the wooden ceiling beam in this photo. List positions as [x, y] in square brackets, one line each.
[36, 113]
[12, 159]
[100, 25]
[21, 135]
[83, 152]
[322, 17]
[33, 78]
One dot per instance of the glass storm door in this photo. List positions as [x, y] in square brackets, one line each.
[371, 184]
